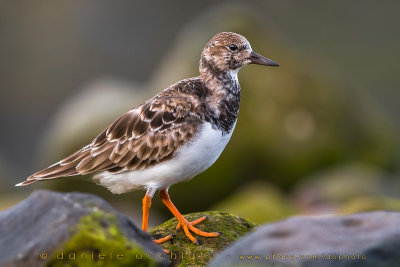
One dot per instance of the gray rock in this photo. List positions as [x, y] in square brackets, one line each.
[365, 239]
[46, 221]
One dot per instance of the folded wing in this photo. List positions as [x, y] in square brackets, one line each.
[139, 139]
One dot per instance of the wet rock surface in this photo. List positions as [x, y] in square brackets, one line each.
[365, 239]
[55, 229]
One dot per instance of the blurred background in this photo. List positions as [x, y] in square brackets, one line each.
[318, 135]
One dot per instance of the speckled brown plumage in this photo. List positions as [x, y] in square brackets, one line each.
[153, 132]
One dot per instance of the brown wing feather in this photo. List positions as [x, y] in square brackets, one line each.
[139, 139]
[145, 136]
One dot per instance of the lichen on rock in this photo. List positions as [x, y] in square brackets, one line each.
[74, 229]
[98, 241]
[186, 253]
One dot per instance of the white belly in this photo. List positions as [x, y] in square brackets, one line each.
[192, 159]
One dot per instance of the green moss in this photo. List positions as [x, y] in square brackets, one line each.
[186, 253]
[97, 241]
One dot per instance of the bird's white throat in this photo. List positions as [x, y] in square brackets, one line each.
[234, 74]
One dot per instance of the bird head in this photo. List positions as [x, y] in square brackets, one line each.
[229, 51]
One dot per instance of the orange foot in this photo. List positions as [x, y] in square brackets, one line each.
[193, 223]
[182, 222]
[164, 239]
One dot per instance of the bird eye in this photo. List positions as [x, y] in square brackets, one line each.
[233, 47]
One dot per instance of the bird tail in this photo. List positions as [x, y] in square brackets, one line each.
[27, 182]
[65, 167]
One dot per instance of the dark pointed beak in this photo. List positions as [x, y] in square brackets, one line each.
[260, 60]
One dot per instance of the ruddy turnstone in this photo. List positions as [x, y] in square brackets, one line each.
[172, 137]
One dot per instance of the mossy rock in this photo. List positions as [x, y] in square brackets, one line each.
[98, 241]
[186, 253]
[74, 229]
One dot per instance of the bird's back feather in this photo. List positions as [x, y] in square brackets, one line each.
[140, 138]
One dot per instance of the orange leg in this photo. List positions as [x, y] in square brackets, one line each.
[182, 222]
[146, 210]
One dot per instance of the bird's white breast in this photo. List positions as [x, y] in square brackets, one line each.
[193, 158]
